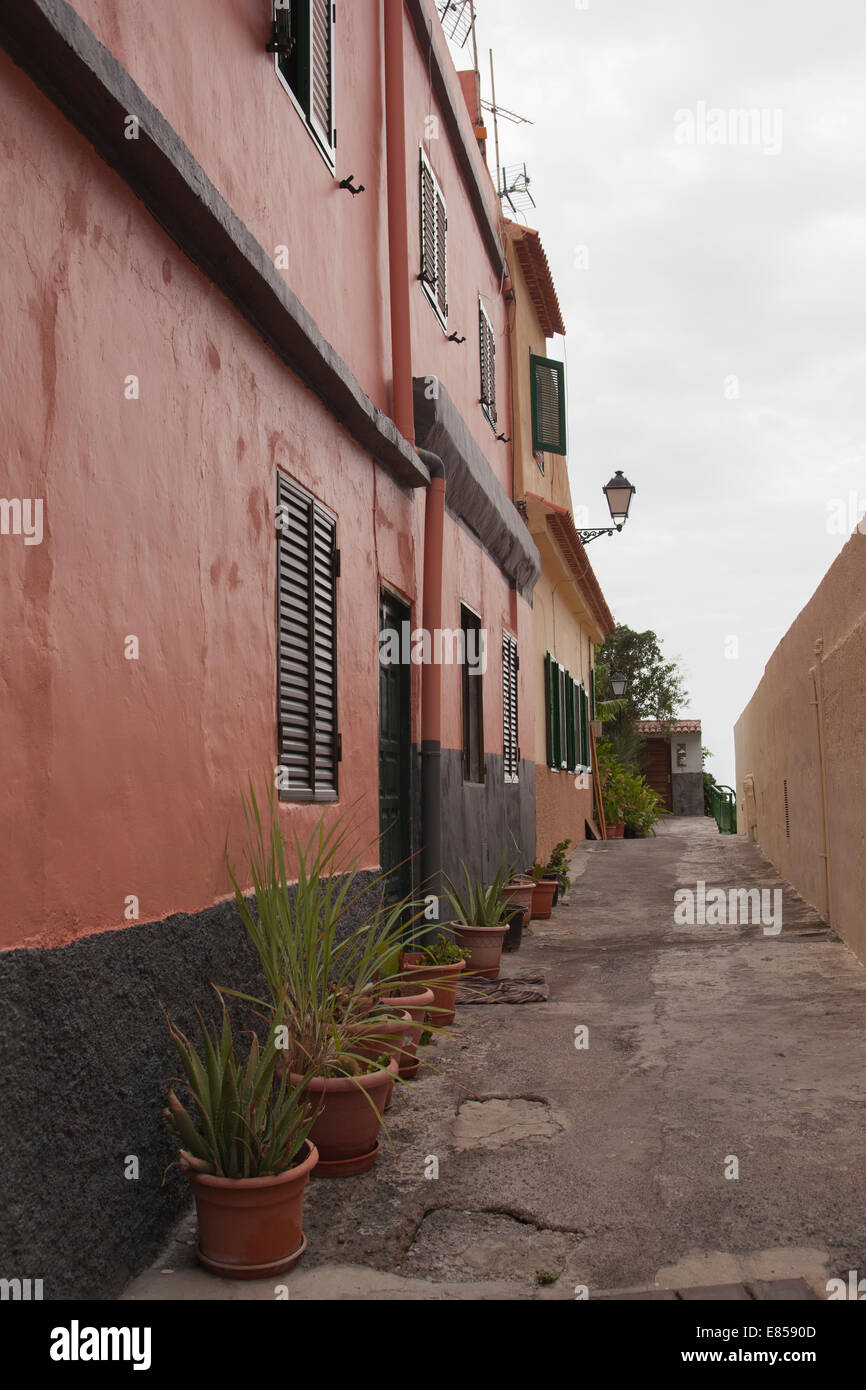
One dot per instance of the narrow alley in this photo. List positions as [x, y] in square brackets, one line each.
[579, 1163]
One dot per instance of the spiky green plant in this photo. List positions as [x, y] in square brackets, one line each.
[250, 1121]
[477, 906]
[322, 981]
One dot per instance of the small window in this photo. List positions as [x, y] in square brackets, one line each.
[307, 572]
[488, 365]
[473, 701]
[434, 236]
[308, 69]
[510, 668]
[548, 405]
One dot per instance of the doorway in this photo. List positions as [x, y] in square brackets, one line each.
[395, 751]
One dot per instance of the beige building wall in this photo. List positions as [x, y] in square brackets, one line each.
[801, 751]
[562, 618]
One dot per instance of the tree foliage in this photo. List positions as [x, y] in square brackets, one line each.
[655, 687]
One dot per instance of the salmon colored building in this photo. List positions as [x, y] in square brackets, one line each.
[255, 383]
[571, 616]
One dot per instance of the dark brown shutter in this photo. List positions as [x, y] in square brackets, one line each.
[321, 69]
[488, 364]
[428, 227]
[511, 750]
[441, 257]
[307, 634]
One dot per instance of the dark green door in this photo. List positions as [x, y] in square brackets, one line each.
[395, 754]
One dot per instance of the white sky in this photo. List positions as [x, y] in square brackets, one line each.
[705, 262]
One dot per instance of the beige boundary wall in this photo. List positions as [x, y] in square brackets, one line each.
[805, 730]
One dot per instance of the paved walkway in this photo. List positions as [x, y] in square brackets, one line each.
[711, 1049]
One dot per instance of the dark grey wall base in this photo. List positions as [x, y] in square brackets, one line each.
[688, 793]
[86, 1058]
[484, 824]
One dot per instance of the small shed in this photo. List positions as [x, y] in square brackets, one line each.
[672, 764]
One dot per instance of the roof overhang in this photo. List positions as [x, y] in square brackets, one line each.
[536, 271]
[563, 554]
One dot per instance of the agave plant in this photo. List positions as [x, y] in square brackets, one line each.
[478, 906]
[323, 979]
[250, 1122]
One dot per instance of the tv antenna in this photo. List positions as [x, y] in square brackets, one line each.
[511, 184]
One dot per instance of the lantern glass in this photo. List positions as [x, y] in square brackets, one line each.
[618, 684]
[619, 493]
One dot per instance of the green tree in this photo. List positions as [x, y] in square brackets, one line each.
[655, 687]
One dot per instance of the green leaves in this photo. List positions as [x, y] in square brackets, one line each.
[477, 906]
[250, 1122]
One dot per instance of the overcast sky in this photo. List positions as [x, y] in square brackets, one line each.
[714, 297]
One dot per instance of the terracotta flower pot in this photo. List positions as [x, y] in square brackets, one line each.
[346, 1128]
[442, 979]
[615, 832]
[396, 1037]
[416, 1002]
[542, 899]
[482, 947]
[520, 891]
[250, 1228]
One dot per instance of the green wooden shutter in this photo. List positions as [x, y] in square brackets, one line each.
[571, 723]
[550, 669]
[548, 405]
[584, 728]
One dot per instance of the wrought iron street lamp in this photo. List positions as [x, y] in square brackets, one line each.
[619, 685]
[619, 493]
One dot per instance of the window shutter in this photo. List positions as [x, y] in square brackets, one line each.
[511, 751]
[584, 727]
[550, 705]
[322, 69]
[548, 405]
[307, 650]
[441, 256]
[571, 722]
[488, 364]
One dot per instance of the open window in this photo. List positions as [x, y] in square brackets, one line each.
[304, 37]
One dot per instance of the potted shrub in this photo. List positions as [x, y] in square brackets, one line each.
[557, 868]
[477, 925]
[439, 968]
[247, 1153]
[323, 978]
[542, 895]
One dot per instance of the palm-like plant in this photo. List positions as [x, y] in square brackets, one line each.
[249, 1123]
[323, 981]
[477, 906]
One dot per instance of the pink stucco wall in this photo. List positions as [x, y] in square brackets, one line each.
[123, 777]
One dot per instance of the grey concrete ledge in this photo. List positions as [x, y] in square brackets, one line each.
[57, 50]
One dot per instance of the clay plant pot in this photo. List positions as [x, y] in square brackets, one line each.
[416, 1003]
[442, 980]
[542, 899]
[520, 890]
[615, 832]
[514, 917]
[482, 947]
[250, 1228]
[346, 1128]
[396, 1037]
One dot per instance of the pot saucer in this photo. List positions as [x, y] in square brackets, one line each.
[266, 1271]
[346, 1167]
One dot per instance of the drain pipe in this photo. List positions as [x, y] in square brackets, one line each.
[398, 222]
[431, 682]
[817, 675]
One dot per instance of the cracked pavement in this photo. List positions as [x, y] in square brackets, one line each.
[603, 1168]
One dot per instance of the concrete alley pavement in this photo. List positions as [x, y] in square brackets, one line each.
[605, 1166]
